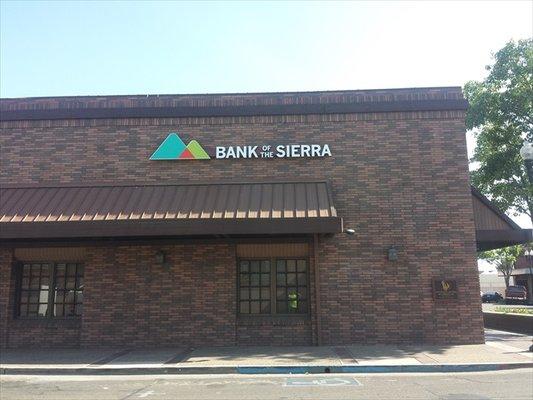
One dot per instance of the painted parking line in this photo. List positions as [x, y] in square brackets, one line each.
[146, 394]
[309, 381]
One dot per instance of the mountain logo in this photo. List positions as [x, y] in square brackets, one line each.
[173, 148]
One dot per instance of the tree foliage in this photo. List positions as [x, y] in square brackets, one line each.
[501, 114]
[503, 259]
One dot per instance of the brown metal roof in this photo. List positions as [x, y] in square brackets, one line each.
[494, 229]
[254, 208]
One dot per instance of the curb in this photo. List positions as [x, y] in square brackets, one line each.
[120, 371]
[265, 370]
[381, 369]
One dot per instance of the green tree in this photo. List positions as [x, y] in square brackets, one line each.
[503, 259]
[501, 114]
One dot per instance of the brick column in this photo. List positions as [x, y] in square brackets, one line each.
[6, 259]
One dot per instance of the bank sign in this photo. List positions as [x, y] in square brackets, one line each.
[173, 148]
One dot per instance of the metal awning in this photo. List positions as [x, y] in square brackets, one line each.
[494, 229]
[167, 210]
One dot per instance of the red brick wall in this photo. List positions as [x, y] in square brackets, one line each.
[43, 333]
[398, 179]
[130, 300]
[281, 332]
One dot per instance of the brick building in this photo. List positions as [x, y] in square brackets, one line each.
[156, 221]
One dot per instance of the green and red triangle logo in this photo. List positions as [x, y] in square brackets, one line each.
[173, 148]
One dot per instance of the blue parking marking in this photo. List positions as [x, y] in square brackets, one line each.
[315, 381]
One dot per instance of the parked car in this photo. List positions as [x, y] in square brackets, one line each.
[491, 297]
[515, 294]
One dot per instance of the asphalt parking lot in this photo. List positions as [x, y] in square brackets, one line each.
[515, 385]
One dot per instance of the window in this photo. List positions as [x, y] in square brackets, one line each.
[273, 286]
[50, 290]
[255, 287]
[291, 286]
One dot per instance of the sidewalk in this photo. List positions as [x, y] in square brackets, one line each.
[502, 351]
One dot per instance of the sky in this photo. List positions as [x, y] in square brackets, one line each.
[116, 47]
[135, 47]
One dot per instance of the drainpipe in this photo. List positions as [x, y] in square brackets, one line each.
[317, 291]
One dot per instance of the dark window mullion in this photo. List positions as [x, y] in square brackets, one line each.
[296, 273]
[19, 269]
[51, 291]
[75, 296]
[273, 272]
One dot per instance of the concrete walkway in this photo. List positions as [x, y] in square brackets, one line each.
[501, 350]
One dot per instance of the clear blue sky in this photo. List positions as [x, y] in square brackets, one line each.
[84, 48]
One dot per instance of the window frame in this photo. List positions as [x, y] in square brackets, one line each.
[19, 273]
[273, 287]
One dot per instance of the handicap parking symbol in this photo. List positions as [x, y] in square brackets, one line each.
[311, 381]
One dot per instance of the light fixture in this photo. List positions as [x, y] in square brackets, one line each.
[349, 231]
[160, 257]
[393, 253]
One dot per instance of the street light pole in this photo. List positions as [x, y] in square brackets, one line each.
[528, 253]
[527, 154]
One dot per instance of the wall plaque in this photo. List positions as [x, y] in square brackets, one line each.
[444, 289]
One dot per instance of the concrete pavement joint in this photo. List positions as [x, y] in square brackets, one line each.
[111, 357]
[345, 355]
[180, 357]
